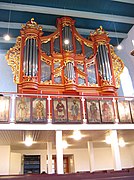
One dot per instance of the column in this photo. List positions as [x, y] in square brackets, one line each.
[115, 150]
[91, 155]
[49, 155]
[59, 152]
[43, 163]
[12, 110]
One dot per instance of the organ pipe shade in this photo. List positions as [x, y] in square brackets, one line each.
[78, 47]
[30, 62]
[67, 38]
[57, 45]
[104, 63]
[46, 47]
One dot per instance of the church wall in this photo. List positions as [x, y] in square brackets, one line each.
[6, 77]
[124, 54]
[102, 157]
[4, 160]
[126, 157]
[15, 163]
[132, 153]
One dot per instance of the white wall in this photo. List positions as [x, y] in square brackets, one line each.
[102, 156]
[6, 76]
[132, 153]
[15, 163]
[126, 157]
[4, 160]
[124, 53]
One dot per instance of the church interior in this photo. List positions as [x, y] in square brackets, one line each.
[66, 87]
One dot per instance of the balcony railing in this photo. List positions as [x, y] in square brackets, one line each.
[65, 109]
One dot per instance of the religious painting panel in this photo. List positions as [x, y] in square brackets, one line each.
[132, 109]
[23, 109]
[107, 111]
[124, 111]
[59, 110]
[93, 111]
[74, 110]
[4, 109]
[39, 110]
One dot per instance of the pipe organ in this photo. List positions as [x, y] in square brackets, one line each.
[103, 63]
[30, 61]
[64, 61]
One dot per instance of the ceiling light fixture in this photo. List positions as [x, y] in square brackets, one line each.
[108, 139]
[119, 47]
[77, 135]
[7, 36]
[122, 142]
[28, 141]
[64, 144]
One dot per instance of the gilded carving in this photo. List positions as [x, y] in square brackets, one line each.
[13, 59]
[118, 66]
[32, 25]
[98, 31]
[48, 62]
[48, 82]
[58, 70]
[106, 82]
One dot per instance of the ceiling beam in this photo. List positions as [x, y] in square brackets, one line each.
[66, 12]
[12, 40]
[50, 28]
[125, 1]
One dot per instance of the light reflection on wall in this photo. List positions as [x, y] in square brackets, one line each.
[126, 83]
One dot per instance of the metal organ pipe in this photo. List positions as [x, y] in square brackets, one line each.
[99, 63]
[69, 71]
[30, 58]
[27, 60]
[24, 62]
[34, 57]
[106, 62]
[108, 65]
[103, 60]
[30, 64]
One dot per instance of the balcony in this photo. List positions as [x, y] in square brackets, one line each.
[65, 111]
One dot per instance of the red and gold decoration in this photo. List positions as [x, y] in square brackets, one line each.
[64, 62]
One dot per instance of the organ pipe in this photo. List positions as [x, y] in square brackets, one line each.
[104, 64]
[108, 64]
[69, 71]
[30, 64]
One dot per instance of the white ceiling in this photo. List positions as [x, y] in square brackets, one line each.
[16, 138]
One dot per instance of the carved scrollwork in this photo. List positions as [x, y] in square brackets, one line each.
[13, 59]
[98, 31]
[118, 66]
[32, 25]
